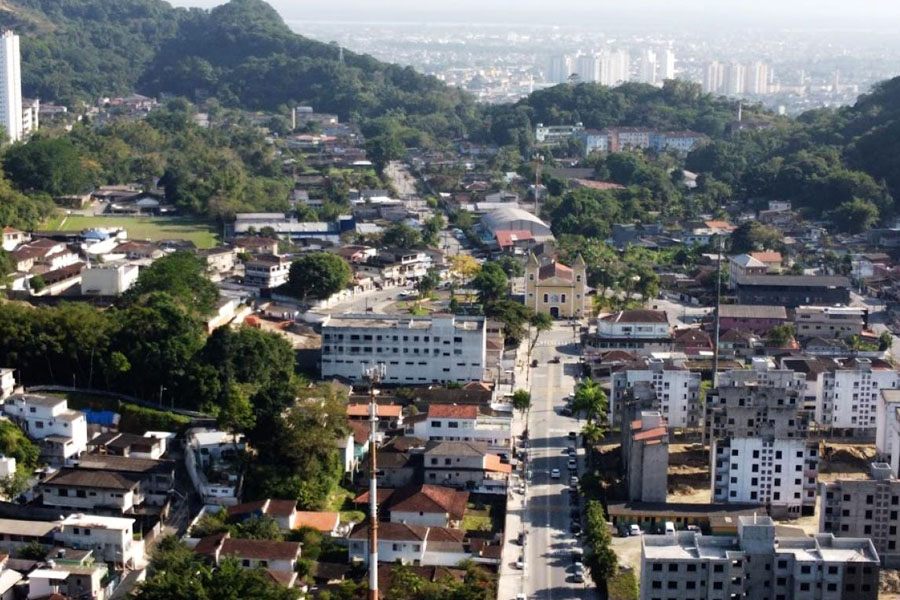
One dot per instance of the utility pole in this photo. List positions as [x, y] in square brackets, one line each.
[538, 166]
[715, 377]
[374, 374]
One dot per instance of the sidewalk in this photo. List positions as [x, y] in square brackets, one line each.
[511, 580]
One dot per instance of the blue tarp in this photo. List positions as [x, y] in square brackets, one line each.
[100, 417]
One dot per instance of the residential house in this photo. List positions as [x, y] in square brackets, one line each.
[92, 491]
[66, 577]
[108, 279]
[111, 538]
[12, 238]
[325, 522]
[772, 261]
[399, 462]
[256, 245]
[641, 330]
[279, 559]
[210, 457]
[426, 505]
[465, 465]
[156, 477]
[61, 433]
[555, 289]
[267, 271]
[692, 341]
[136, 250]
[390, 416]
[742, 265]
[7, 382]
[18, 533]
[284, 512]
[129, 445]
[463, 423]
[219, 260]
[397, 266]
[841, 322]
[410, 544]
[514, 242]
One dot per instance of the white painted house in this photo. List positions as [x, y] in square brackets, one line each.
[110, 538]
[61, 433]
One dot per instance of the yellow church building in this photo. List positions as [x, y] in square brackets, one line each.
[555, 289]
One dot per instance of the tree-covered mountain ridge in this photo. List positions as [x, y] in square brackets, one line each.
[241, 53]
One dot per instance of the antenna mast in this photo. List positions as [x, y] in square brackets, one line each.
[374, 374]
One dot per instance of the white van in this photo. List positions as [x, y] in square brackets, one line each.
[670, 528]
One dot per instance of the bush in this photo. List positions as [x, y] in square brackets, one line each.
[138, 419]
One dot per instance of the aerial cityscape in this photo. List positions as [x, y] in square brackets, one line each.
[404, 301]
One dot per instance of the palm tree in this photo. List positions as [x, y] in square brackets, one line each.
[591, 399]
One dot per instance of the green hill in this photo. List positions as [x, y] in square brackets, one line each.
[241, 53]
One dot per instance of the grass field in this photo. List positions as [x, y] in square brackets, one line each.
[142, 228]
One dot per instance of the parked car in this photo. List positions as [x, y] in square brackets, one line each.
[566, 412]
[575, 529]
[573, 464]
[573, 435]
[554, 474]
[578, 577]
[571, 451]
[634, 530]
[534, 363]
[573, 481]
[520, 562]
[670, 528]
[555, 360]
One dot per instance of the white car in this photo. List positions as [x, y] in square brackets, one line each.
[634, 530]
[554, 474]
[520, 563]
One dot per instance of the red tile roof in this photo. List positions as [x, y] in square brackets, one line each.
[400, 532]
[261, 549]
[452, 411]
[381, 410]
[268, 507]
[767, 256]
[656, 432]
[508, 237]
[361, 431]
[321, 521]
[430, 499]
[492, 463]
[555, 269]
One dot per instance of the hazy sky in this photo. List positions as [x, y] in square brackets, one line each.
[776, 13]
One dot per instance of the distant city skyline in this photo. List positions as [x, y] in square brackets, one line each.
[876, 14]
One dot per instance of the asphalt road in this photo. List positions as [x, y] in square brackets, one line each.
[549, 542]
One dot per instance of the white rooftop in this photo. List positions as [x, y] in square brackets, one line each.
[80, 520]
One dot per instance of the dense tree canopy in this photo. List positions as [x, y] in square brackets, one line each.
[318, 275]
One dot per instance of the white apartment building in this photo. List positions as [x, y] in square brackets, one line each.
[110, 538]
[60, 432]
[887, 429]
[849, 394]
[112, 279]
[642, 330]
[757, 565]
[778, 473]
[11, 86]
[414, 350]
[463, 423]
[677, 391]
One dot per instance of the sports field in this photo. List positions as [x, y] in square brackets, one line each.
[203, 234]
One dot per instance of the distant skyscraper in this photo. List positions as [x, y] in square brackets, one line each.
[647, 67]
[559, 69]
[756, 78]
[613, 67]
[587, 68]
[667, 65]
[734, 79]
[713, 78]
[10, 86]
